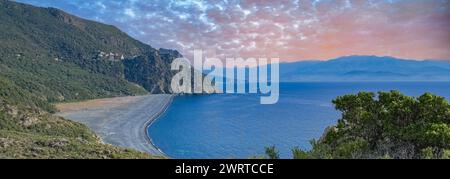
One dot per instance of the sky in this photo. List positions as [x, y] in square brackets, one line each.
[291, 30]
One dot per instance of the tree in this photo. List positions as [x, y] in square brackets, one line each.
[298, 153]
[272, 152]
[387, 125]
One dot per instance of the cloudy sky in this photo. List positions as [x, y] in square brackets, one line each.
[289, 29]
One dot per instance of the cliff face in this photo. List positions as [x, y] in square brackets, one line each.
[151, 70]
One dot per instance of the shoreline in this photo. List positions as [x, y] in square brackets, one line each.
[121, 121]
[151, 121]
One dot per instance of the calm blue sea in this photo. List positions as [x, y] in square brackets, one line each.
[237, 126]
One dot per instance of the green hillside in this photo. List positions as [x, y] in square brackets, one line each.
[49, 56]
[59, 57]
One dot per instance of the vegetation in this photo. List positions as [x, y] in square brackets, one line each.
[12, 94]
[56, 82]
[272, 152]
[32, 133]
[63, 57]
[49, 56]
[389, 125]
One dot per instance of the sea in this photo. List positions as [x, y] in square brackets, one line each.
[237, 126]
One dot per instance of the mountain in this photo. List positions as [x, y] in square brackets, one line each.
[85, 58]
[365, 68]
[49, 56]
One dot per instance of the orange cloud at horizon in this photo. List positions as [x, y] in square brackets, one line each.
[410, 30]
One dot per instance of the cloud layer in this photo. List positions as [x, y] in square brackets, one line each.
[288, 29]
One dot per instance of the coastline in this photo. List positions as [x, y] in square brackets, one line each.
[152, 120]
[121, 121]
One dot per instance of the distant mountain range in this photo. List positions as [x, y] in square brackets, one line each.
[365, 68]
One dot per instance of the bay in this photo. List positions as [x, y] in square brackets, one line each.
[238, 126]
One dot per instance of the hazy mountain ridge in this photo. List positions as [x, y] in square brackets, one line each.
[365, 68]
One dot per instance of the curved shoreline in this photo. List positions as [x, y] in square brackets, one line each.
[121, 121]
[151, 121]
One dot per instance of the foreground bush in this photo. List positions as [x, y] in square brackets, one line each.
[388, 125]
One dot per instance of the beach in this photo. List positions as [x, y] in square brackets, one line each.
[120, 121]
